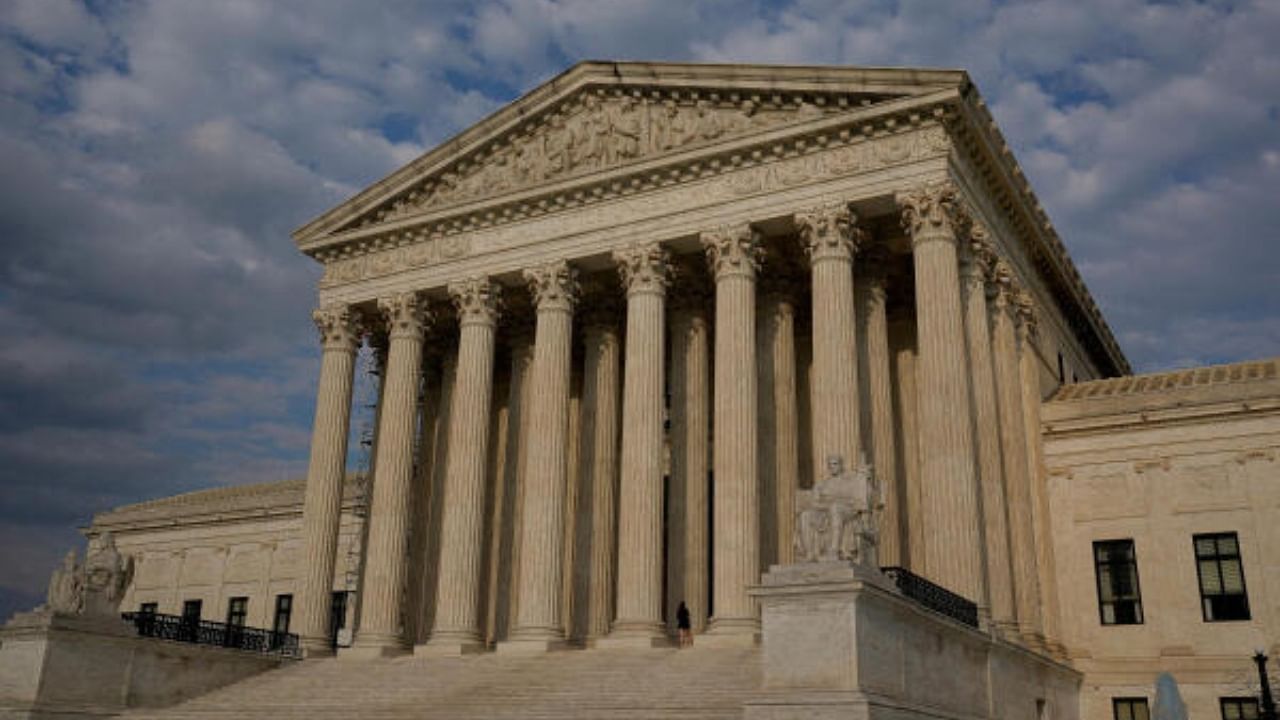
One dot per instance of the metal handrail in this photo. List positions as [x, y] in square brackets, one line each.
[933, 596]
[207, 632]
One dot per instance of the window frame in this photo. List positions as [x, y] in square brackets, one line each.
[284, 608]
[1132, 701]
[149, 608]
[1137, 583]
[1240, 700]
[235, 613]
[1217, 558]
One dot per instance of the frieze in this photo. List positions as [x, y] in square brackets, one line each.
[597, 131]
[432, 246]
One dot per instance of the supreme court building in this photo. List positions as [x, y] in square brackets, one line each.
[620, 321]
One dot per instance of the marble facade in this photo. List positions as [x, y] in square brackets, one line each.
[621, 322]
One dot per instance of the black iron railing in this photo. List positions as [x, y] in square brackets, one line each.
[205, 632]
[934, 597]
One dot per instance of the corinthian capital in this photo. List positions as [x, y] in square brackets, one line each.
[1028, 320]
[478, 300]
[828, 232]
[1003, 288]
[645, 268]
[405, 314]
[931, 211]
[339, 326]
[733, 250]
[977, 256]
[554, 286]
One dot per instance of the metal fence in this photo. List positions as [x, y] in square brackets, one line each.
[934, 597]
[205, 632]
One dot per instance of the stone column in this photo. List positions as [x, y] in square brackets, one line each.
[879, 385]
[645, 271]
[949, 489]
[457, 618]
[690, 455]
[831, 240]
[977, 260]
[599, 506]
[539, 625]
[506, 561]
[779, 441]
[1013, 443]
[1037, 480]
[734, 254]
[382, 611]
[322, 506]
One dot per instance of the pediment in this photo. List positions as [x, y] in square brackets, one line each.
[598, 118]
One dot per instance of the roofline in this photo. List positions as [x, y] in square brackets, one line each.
[763, 77]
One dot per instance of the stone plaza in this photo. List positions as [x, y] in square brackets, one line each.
[629, 329]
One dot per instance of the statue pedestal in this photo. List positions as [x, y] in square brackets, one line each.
[56, 665]
[841, 642]
[52, 663]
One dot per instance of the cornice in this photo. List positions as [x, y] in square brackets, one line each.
[977, 135]
[439, 236]
[692, 79]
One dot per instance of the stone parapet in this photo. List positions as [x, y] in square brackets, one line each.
[839, 641]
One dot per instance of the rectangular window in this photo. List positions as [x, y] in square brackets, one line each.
[191, 610]
[237, 611]
[1119, 595]
[1222, 591]
[1130, 708]
[284, 611]
[149, 608]
[1239, 708]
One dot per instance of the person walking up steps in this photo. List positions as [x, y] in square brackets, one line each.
[682, 625]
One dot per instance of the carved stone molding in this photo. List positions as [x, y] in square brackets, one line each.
[405, 315]
[931, 211]
[828, 232]
[553, 285]
[340, 327]
[645, 268]
[595, 131]
[786, 164]
[478, 300]
[733, 250]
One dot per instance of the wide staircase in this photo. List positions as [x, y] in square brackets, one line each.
[652, 684]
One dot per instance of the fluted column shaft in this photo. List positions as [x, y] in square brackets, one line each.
[986, 418]
[322, 505]
[381, 618]
[831, 240]
[734, 253]
[644, 270]
[457, 618]
[1013, 442]
[949, 489]
[780, 478]
[1040, 523]
[690, 456]
[884, 458]
[539, 623]
[600, 399]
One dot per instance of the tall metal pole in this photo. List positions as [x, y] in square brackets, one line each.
[1268, 703]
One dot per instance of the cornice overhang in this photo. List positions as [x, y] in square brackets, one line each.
[975, 130]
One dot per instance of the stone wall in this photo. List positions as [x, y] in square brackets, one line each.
[1158, 459]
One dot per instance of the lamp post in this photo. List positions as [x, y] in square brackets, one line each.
[1268, 703]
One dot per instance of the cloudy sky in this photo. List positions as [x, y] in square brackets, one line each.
[155, 155]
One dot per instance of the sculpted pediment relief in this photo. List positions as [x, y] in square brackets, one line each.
[599, 129]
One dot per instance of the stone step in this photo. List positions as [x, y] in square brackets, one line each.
[659, 684]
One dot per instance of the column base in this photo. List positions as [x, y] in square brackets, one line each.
[449, 647]
[531, 646]
[729, 633]
[643, 637]
[374, 648]
[317, 648]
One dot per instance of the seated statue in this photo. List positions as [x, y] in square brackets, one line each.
[838, 519]
[95, 587]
